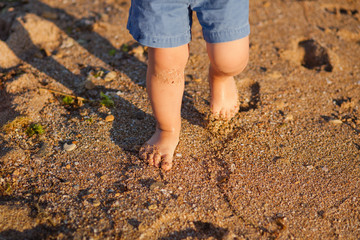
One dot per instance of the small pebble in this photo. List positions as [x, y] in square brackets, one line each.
[232, 168]
[109, 118]
[157, 185]
[69, 147]
[38, 160]
[275, 75]
[67, 43]
[38, 55]
[16, 172]
[289, 117]
[110, 76]
[84, 112]
[178, 155]
[336, 121]
[89, 85]
[152, 207]
[49, 15]
[96, 203]
[139, 50]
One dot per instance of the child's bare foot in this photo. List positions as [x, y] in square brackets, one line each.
[159, 150]
[224, 102]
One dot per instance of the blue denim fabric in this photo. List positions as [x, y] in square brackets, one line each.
[167, 23]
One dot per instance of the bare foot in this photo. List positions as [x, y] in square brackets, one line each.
[224, 97]
[159, 150]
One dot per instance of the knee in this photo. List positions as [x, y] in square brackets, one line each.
[230, 66]
[229, 58]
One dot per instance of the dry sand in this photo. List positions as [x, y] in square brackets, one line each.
[287, 167]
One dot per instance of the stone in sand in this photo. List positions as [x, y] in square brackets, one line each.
[110, 76]
[157, 185]
[336, 121]
[89, 85]
[109, 118]
[69, 147]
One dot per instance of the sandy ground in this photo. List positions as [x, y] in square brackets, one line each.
[287, 166]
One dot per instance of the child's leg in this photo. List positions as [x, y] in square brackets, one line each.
[227, 60]
[165, 86]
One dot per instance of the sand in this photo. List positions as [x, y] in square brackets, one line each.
[286, 167]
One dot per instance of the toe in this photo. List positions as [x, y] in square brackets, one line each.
[142, 153]
[226, 115]
[150, 158]
[223, 114]
[231, 114]
[237, 107]
[157, 159]
[166, 163]
[215, 115]
[214, 112]
[146, 153]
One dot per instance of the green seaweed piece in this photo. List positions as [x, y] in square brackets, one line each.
[106, 100]
[33, 129]
[68, 100]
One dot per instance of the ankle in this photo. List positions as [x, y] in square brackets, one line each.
[219, 78]
[169, 135]
[168, 130]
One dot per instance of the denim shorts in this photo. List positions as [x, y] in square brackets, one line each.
[167, 23]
